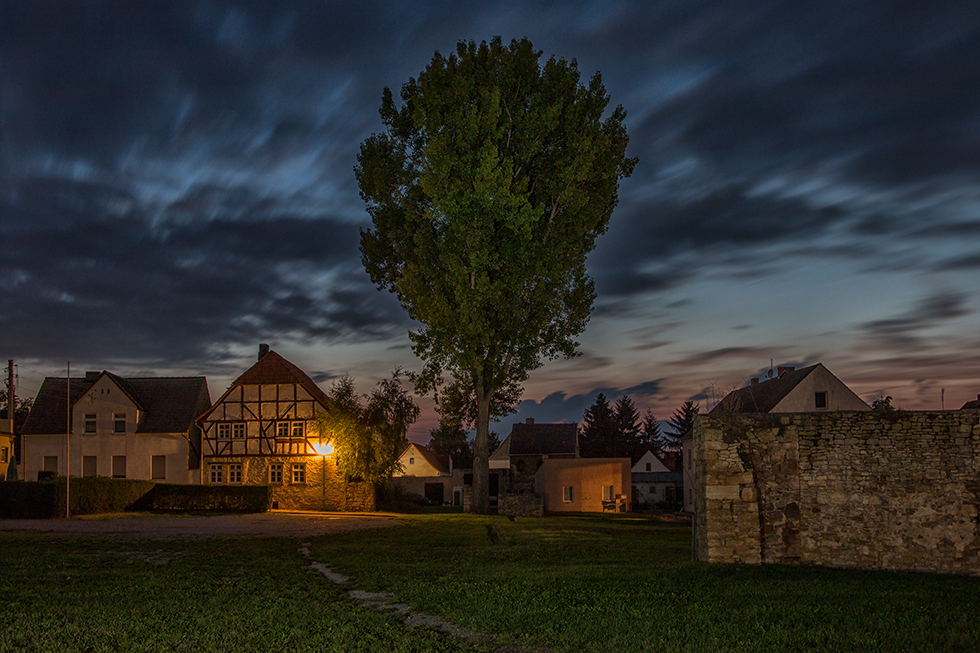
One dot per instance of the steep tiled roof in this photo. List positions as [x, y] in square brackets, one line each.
[762, 397]
[273, 368]
[168, 404]
[537, 439]
[439, 461]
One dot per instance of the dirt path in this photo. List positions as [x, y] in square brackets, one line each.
[270, 524]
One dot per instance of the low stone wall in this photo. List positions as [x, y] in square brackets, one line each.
[520, 505]
[899, 490]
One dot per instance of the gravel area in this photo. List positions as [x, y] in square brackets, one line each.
[270, 524]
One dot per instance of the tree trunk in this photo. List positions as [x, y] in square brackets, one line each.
[481, 456]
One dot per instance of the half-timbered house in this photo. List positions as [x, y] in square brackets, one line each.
[262, 431]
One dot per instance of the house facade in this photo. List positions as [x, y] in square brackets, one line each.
[262, 431]
[423, 472]
[6, 449]
[584, 484]
[654, 483]
[140, 428]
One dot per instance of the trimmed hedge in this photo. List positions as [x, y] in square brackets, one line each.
[219, 498]
[89, 496]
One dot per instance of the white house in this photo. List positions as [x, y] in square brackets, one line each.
[655, 483]
[425, 473]
[140, 428]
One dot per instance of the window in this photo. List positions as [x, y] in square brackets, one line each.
[119, 423]
[297, 429]
[90, 423]
[158, 467]
[411, 461]
[119, 467]
[217, 475]
[820, 399]
[224, 431]
[235, 473]
[568, 494]
[51, 464]
[275, 473]
[3, 454]
[607, 493]
[299, 472]
[282, 430]
[89, 466]
[649, 466]
[238, 430]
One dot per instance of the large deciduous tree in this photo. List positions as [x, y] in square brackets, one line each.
[487, 188]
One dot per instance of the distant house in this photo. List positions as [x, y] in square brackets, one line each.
[528, 445]
[6, 447]
[972, 405]
[262, 432]
[425, 473]
[140, 428]
[805, 390]
[654, 482]
[584, 484]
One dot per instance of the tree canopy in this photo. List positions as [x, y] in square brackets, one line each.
[683, 418]
[368, 438]
[487, 189]
[613, 430]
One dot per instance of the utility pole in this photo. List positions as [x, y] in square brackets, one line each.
[11, 403]
[68, 447]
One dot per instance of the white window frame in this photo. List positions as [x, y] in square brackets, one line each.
[238, 430]
[297, 430]
[299, 473]
[91, 424]
[608, 493]
[282, 430]
[117, 419]
[235, 474]
[3, 455]
[224, 431]
[275, 474]
[568, 494]
[217, 474]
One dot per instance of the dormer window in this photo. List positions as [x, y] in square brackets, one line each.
[119, 423]
[820, 399]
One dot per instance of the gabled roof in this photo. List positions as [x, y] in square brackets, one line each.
[167, 404]
[538, 439]
[273, 368]
[439, 461]
[762, 397]
[972, 405]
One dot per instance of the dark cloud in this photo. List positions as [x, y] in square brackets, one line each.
[904, 329]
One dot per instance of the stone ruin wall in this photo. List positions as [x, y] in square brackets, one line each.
[896, 491]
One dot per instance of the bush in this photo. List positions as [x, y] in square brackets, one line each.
[218, 498]
[89, 496]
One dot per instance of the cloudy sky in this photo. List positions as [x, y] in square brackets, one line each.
[176, 187]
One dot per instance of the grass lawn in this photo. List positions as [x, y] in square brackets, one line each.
[627, 584]
[572, 583]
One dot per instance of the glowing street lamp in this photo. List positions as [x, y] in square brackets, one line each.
[324, 449]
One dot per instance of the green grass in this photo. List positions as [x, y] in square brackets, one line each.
[91, 594]
[627, 584]
[575, 583]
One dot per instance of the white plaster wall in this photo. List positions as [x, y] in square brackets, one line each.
[839, 396]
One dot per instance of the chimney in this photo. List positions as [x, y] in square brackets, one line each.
[754, 381]
[92, 377]
[529, 420]
[780, 370]
[263, 350]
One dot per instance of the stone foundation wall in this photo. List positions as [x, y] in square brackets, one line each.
[521, 505]
[892, 491]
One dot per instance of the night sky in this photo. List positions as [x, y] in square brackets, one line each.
[176, 186]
